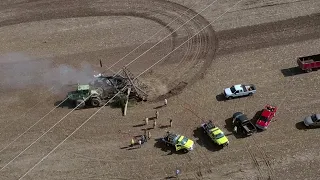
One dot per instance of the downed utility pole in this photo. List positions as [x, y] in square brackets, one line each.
[127, 100]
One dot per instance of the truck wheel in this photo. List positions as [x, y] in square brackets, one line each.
[250, 94]
[185, 150]
[95, 102]
[230, 97]
[80, 104]
[308, 70]
[167, 144]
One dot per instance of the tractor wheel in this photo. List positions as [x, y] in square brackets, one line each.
[80, 104]
[95, 102]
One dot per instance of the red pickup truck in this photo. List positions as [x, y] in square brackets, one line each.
[266, 116]
[308, 63]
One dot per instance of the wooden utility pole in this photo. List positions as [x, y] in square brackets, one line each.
[127, 100]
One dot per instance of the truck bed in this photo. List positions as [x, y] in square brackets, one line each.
[310, 59]
[309, 62]
[249, 87]
[249, 127]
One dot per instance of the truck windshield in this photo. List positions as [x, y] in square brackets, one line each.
[183, 141]
[233, 89]
[263, 118]
[314, 118]
[220, 135]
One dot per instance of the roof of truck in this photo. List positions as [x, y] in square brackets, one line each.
[238, 87]
[83, 87]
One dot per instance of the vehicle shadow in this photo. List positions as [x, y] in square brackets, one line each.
[64, 104]
[170, 149]
[204, 140]
[228, 124]
[300, 125]
[292, 71]
[220, 97]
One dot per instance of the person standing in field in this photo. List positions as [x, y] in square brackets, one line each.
[154, 124]
[139, 143]
[149, 135]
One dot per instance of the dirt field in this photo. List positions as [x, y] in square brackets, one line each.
[44, 43]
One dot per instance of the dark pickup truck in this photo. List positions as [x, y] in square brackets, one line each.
[308, 63]
[242, 124]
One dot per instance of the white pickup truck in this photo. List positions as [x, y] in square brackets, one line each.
[239, 90]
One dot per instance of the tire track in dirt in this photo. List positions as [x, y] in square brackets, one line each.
[265, 159]
[270, 34]
[265, 170]
[255, 161]
[202, 46]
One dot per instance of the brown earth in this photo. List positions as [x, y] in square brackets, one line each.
[256, 42]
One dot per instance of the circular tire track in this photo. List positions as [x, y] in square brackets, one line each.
[198, 53]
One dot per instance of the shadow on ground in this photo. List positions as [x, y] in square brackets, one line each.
[170, 149]
[300, 125]
[139, 125]
[146, 129]
[292, 71]
[171, 177]
[204, 140]
[117, 105]
[64, 104]
[228, 124]
[158, 107]
[220, 97]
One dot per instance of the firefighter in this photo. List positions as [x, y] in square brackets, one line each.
[165, 102]
[143, 139]
[147, 121]
[149, 135]
[132, 143]
[157, 114]
[154, 124]
[139, 143]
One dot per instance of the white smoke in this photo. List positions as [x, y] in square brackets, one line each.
[18, 70]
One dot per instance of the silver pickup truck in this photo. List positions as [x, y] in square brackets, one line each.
[239, 90]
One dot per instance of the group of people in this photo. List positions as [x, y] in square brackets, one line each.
[147, 135]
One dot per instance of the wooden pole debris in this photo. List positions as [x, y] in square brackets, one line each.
[127, 100]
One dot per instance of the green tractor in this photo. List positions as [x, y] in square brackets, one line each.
[85, 95]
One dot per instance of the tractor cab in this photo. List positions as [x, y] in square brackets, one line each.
[82, 92]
